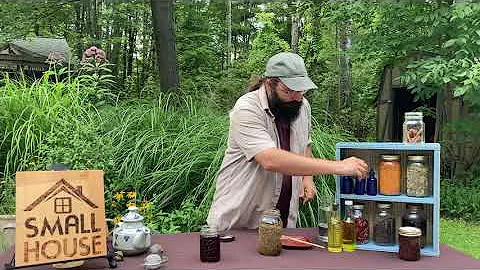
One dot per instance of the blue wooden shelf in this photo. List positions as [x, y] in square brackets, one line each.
[388, 146]
[426, 251]
[382, 198]
[367, 149]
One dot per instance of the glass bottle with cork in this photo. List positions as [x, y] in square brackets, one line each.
[361, 224]
[335, 230]
[349, 237]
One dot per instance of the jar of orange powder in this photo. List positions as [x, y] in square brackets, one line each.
[389, 175]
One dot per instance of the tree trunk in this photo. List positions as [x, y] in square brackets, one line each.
[229, 33]
[295, 30]
[344, 64]
[164, 33]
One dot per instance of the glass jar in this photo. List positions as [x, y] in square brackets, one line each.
[384, 229]
[415, 217]
[360, 186]
[346, 185]
[409, 243]
[269, 233]
[417, 177]
[209, 244]
[389, 175]
[361, 224]
[413, 128]
[323, 214]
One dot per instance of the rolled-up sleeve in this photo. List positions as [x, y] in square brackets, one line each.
[249, 130]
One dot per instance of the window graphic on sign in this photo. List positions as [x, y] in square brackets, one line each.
[60, 216]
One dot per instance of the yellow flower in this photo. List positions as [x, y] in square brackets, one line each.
[141, 208]
[131, 204]
[118, 196]
[116, 219]
[114, 204]
[146, 204]
[131, 194]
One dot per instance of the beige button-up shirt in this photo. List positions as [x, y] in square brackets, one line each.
[244, 189]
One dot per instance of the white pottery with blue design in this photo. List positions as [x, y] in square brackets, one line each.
[130, 235]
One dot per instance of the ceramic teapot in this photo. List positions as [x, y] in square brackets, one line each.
[130, 235]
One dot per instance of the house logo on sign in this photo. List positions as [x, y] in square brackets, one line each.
[66, 219]
[62, 205]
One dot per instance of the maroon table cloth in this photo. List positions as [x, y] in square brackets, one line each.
[183, 253]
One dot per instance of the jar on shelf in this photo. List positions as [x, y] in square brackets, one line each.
[414, 217]
[413, 128]
[269, 233]
[389, 175]
[418, 175]
[409, 243]
[209, 244]
[360, 186]
[361, 224]
[346, 185]
[384, 227]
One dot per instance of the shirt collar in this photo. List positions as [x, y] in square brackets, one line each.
[262, 92]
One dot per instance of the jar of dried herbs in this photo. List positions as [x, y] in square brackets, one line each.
[269, 233]
[384, 228]
[417, 177]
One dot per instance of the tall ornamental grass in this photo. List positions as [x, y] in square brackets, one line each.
[165, 151]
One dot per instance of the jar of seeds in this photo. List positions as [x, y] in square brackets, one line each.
[269, 233]
[417, 177]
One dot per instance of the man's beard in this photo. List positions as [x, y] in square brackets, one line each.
[286, 110]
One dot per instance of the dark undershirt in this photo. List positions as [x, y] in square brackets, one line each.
[283, 204]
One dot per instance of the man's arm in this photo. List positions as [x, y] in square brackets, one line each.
[274, 159]
[308, 190]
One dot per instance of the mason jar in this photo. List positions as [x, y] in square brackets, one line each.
[384, 227]
[414, 216]
[417, 177]
[209, 244]
[413, 128]
[269, 233]
[389, 175]
[409, 243]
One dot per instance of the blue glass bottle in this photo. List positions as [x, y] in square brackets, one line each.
[346, 185]
[371, 184]
[360, 186]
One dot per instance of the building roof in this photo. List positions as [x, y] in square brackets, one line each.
[38, 48]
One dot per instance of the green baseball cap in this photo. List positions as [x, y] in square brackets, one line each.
[290, 69]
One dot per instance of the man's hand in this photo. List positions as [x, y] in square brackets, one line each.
[353, 166]
[308, 190]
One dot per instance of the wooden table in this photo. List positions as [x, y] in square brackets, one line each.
[183, 253]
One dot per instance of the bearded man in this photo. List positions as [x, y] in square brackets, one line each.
[268, 162]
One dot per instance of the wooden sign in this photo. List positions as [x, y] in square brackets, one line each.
[60, 216]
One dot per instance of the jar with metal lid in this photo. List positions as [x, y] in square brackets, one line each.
[413, 128]
[384, 228]
[417, 177]
[209, 244]
[269, 233]
[409, 243]
[415, 217]
[361, 224]
[389, 175]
